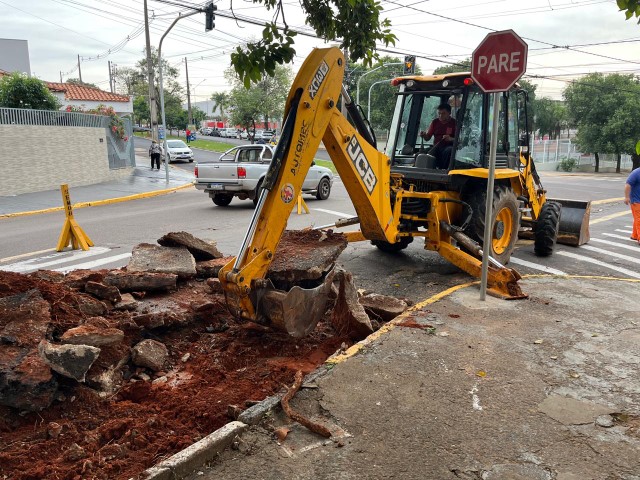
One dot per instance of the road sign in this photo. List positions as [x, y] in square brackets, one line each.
[499, 61]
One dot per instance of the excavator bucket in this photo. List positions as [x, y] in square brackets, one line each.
[574, 222]
[297, 311]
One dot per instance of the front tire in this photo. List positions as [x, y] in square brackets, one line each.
[505, 221]
[222, 200]
[324, 189]
[547, 227]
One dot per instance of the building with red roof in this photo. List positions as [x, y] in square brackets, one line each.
[88, 98]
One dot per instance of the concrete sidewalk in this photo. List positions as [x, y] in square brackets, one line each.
[539, 389]
[140, 183]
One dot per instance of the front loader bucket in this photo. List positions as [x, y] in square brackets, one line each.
[574, 222]
[297, 311]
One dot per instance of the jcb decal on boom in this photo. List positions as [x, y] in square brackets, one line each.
[318, 78]
[354, 150]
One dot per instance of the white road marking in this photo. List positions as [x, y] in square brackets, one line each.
[613, 235]
[34, 264]
[623, 231]
[536, 266]
[611, 254]
[333, 212]
[582, 258]
[615, 244]
[95, 263]
[25, 255]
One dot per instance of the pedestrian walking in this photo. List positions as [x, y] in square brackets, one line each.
[632, 198]
[155, 150]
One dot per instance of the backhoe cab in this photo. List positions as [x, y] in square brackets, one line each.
[398, 196]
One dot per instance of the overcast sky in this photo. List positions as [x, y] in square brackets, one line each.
[445, 30]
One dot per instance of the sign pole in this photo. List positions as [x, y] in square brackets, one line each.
[486, 251]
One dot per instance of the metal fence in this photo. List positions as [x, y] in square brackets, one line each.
[121, 154]
[559, 150]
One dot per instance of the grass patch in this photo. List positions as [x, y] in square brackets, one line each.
[326, 163]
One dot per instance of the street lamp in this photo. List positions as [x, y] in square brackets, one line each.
[164, 120]
[369, 100]
[367, 73]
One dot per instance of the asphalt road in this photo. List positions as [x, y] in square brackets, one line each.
[26, 243]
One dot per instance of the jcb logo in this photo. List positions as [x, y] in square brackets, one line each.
[318, 78]
[354, 150]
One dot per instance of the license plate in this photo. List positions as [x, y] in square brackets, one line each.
[217, 186]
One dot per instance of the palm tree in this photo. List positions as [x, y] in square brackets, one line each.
[220, 101]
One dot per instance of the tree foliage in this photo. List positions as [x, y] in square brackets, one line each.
[463, 66]
[141, 110]
[262, 101]
[220, 102]
[606, 110]
[356, 23]
[631, 8]
[20, 91]
[76, 81]
[550, 117]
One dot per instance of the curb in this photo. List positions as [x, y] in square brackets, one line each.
[96, 203]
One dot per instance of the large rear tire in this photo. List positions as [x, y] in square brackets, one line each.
[505, 220]
[222, 200]
[392, 247]
[547, 227]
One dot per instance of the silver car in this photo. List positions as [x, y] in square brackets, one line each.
[178, 150]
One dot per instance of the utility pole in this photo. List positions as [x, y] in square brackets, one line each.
[152, 98]
[186, 69]
[61, 76]
[110, 76]
[79, 70]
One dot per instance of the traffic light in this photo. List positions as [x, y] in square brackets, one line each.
[210, 12]
[409, 65]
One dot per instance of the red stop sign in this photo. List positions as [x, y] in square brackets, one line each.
[499, 61]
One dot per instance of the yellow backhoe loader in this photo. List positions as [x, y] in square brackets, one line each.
[398, 195]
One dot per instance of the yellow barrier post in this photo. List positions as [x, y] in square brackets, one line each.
[302, 204]
[71, 231]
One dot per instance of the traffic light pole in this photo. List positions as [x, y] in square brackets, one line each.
[367, 73]
[164, 120]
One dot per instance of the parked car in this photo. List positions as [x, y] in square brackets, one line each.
[240, 171]
[267, 135]
[228, 133]
[215, 132]
[243, 135]
[206, 131]
[178, 150]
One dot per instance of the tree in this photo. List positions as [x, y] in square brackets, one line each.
[220, 101]
[20, 91]
[141, 109]
[630, 8]
[76, 81]
[262, 101]
[198, 115]
[356, 23]
[463, 66]
[550, 116]
[606, 110]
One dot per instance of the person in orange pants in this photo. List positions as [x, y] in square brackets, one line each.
[632, 198]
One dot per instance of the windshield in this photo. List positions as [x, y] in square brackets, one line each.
[176, 144]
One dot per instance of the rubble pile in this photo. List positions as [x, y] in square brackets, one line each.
[104, 373]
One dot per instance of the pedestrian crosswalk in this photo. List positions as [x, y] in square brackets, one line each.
[66, 261]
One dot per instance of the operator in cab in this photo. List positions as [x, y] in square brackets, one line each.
[442, 129]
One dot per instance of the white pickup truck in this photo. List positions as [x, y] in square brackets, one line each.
[239, 173]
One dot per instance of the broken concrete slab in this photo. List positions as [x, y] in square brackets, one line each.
[150, 354]
[127, 302]
[72, 361]
[138, 281]
[146, 257]
[200, 249]
[78, 278]
[384, 307]
[24, 318]
[92, 335]
[348, 316]
[28, 384]
[164, 318]
[304, 255]
[570, 411]
[103, 292]
[215, 285]
[90, 306]
[211, 268]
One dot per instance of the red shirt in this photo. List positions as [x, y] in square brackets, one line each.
[439, 129]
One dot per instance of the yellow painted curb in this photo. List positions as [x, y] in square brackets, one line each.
[610, 217]
[96, 203]
[354, 349]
